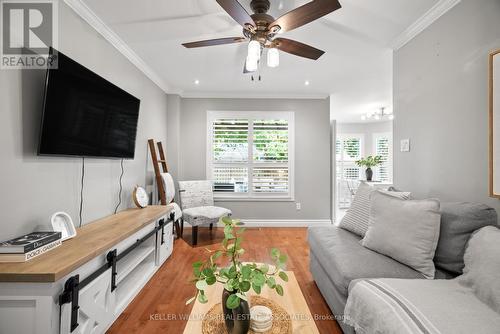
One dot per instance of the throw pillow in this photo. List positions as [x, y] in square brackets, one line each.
[482, 266]
[356, 217]
[169, 185]
[407, 231]
[458, 222]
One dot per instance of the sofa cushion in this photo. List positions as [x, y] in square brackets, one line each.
[482, 266]
[407, 231]
[344, 259]
[356, 219]
[458, 222]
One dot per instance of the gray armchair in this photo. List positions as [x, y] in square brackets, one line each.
[197, 203]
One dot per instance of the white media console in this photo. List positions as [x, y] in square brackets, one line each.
[110, 261]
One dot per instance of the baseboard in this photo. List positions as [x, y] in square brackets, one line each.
[286, 222]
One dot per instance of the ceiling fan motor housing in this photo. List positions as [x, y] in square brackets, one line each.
[260, 6]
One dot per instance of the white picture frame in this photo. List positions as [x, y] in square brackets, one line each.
[494, 119]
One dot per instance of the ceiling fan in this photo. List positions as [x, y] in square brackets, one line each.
[261, 29]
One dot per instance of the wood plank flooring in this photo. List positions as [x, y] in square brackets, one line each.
[160, 306]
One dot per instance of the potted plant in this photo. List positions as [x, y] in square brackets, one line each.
[369, 162]
[237, 277]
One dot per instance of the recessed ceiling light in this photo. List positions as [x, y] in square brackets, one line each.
[197, 82]
[307, 83]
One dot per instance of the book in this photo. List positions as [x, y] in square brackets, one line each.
[28, 242]
[23, 257]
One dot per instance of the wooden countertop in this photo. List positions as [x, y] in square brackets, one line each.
[91, 240]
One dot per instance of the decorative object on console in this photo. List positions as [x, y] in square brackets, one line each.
[407, 231]
[29, 246]
[28, 242]
[238, 278]
[369, 162]
[495, 124]
[140, 197]
[62, 222]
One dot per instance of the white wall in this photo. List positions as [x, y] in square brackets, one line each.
[441, 104]
[312, 154]
[367, 130]
[35, 187]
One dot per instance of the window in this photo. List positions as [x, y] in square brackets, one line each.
[349, 149]
[383, 147]
[250, 154]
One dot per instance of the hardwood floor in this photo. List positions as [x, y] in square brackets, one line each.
[160, 306]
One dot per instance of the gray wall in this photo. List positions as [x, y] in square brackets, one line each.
[441, 104]
[312, 153]
[35, 187]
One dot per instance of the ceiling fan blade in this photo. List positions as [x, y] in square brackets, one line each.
[298, 48]
[212, 42]
[305, 14]
[237, 12]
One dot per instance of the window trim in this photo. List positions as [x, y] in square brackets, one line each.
[251, 115]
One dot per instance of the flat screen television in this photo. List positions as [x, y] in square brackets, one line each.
[85, 115]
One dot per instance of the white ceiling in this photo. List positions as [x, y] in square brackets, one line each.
[356, 69]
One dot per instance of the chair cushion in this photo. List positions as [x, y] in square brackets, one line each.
[205, 215]
[458, 222]
[344, 259]
[176, 209]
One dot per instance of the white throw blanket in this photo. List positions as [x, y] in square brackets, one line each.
[399, 306]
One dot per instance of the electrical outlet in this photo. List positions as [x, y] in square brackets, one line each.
[298, 206]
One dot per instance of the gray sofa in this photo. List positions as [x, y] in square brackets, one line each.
[337, 257]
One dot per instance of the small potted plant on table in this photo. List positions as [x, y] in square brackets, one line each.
[238, 278]
[369, 162]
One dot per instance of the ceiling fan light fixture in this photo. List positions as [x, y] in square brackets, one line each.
[254, 50]
[251, 64]
[273, 57]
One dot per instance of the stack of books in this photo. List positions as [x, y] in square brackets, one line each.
[29, 246]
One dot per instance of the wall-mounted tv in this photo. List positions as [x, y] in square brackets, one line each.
[85, 115]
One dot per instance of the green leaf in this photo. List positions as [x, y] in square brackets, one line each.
[246, 271]
[245, 286]
[201, 285]
[283, 276]
[190, 300]
[264, 268]
[279, 290]
[229, 287]
[242, 296]
[232, 272]
[283, 258]
[197, 264]
[257, 289]
[271, 282]
[259, 279]
[226, 220]
[208, 272]
[233, 301]
[202, 298]
[211, 280]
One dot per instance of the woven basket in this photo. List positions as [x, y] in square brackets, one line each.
[213, 322]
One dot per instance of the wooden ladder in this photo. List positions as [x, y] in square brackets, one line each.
[159, 180]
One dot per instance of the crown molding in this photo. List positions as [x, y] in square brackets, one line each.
[432, 15]
[249, 95]
[79, 7]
